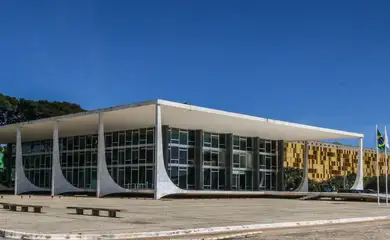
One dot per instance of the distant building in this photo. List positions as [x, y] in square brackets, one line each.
[327, 160]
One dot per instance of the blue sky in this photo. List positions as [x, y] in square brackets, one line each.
[324, 63]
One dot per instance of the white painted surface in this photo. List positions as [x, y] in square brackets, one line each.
[359, 184]
[60, 184]
[22, 183]
[177, 115]
[186, 232]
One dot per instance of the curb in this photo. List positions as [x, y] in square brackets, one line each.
[183, 233]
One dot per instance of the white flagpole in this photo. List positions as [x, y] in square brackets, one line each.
[386, 146]
[377, 164]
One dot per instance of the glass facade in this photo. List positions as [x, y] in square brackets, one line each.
[268, 164]
[78, 159]
[242, 164]
[181, 162]
[214, 161]
[181, 152]
[130, 157]
[37, 161]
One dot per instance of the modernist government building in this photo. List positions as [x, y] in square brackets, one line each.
[166, 148]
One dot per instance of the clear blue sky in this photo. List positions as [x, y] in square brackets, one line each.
[324, 63]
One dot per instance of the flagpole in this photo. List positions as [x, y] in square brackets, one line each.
[386, 145]
[377, 164]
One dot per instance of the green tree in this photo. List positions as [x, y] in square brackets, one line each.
[292, 177]
[14, 110]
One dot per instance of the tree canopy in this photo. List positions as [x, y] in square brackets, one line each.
[14, 110]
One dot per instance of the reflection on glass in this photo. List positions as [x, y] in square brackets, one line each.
[133, 162]
[183, 137]
[181, 157]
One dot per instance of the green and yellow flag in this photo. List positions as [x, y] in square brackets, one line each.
[380, 141]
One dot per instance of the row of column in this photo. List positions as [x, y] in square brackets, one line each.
[61, 185]
[105, 184]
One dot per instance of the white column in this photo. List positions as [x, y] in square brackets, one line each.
[163, 185]
[157, 152]
[304, 185]
[101, 153]
[18, 159]
[22, 183]
[105, 183]
[59, 183]
[358, 184]
[55, 158]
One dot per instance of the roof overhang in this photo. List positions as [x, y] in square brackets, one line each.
[173, 114]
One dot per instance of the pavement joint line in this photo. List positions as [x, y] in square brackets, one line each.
[9, 234]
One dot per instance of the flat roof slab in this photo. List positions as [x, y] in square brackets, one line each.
[173, 114]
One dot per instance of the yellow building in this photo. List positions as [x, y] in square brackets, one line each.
[327, 160]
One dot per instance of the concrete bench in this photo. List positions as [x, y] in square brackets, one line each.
[24, 208]
[95, 211]
[5, 205]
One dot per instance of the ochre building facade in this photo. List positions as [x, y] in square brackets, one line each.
[327, 160]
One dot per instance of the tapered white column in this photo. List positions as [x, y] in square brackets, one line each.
[163, 185]
[22, 183]
[158, 153]
[358, 184]
[18, 159]
[105, 184]
[304, 185]
[55, 158]
[59, 183]
[101, 153]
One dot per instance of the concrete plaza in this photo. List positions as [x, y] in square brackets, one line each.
[379, 230]
[143, 215]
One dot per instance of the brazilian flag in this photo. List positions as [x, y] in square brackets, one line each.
[380, 140]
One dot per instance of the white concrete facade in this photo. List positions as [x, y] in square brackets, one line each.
[156, 114]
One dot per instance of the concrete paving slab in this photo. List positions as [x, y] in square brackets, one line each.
[143, 215]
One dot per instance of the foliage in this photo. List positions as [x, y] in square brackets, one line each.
[371, 183]
[293, 177]
[14, 110]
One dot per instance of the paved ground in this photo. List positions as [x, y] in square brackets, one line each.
[142, 215]
[362, 231]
